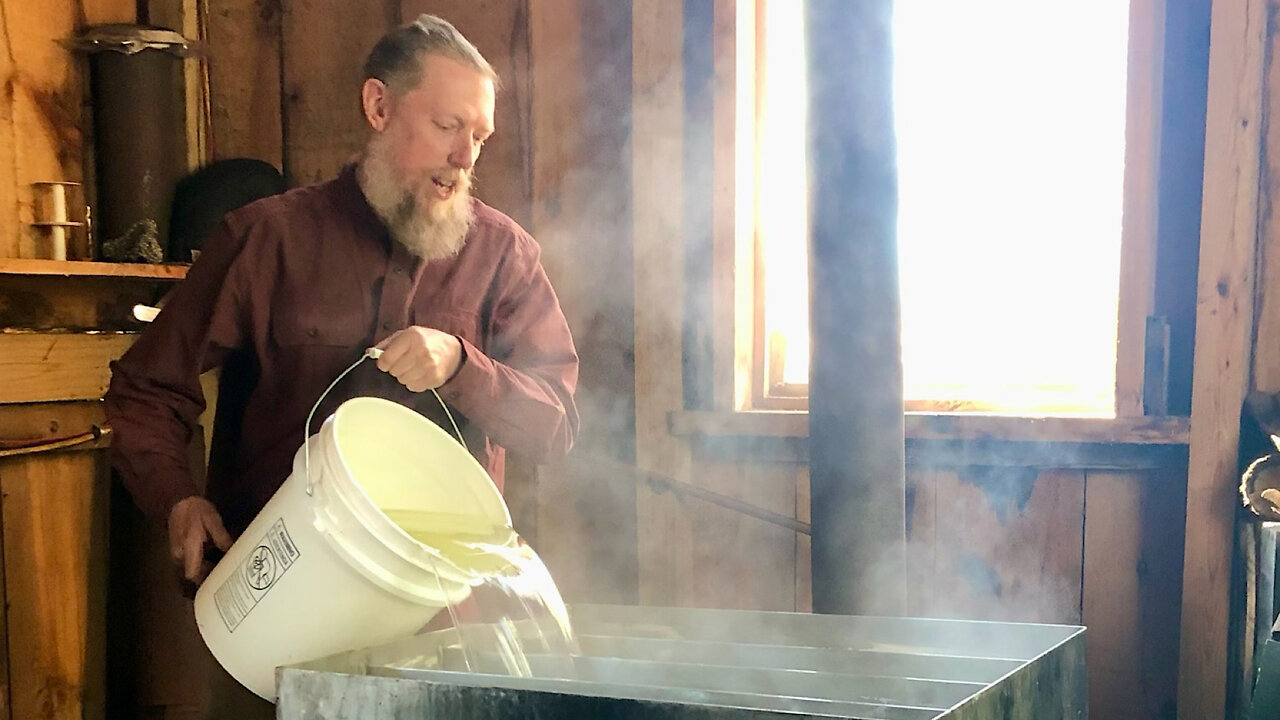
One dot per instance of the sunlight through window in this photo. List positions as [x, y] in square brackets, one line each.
[1010, 117]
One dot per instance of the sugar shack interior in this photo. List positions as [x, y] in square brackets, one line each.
[927, 357]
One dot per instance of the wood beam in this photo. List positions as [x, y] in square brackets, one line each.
[1224, 330]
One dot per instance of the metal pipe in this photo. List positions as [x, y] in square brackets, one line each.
[856, 448]
[97, 434]
[661, 483]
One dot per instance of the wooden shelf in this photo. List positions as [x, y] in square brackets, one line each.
[168, 272]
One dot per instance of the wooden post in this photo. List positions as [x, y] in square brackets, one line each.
[856, 463]
[1224, 330]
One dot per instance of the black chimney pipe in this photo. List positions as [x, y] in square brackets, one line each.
[856, 452]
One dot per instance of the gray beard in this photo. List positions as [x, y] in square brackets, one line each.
[428, 235]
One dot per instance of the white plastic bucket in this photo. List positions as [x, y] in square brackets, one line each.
[323, 572]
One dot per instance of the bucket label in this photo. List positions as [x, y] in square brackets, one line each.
[273, 555]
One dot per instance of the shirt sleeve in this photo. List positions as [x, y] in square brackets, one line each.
[155, 398]
[520, 392]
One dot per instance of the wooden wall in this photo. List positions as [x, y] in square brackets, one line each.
[53, 507]
[1008, 542]
[598, 181]
[1017, 538]
[44, 129]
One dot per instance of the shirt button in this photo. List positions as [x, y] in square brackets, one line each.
[386, 324]
[397, 270]
[312, 332]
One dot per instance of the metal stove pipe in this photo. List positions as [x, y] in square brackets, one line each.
[856, 453]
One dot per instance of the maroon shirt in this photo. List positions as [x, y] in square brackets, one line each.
[286, 294]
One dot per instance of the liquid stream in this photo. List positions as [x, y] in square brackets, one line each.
[514, 611]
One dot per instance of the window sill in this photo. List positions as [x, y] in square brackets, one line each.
[941, 426]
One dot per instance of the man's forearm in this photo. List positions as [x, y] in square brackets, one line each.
[148, 447]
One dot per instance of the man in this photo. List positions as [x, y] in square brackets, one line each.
[393, 253]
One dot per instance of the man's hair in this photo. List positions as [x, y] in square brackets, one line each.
[398, 57]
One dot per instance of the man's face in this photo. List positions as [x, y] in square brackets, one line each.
[417, 168]
[435, 131]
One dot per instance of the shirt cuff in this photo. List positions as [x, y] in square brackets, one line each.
[169, 496]
[474, 377]
[462, 360]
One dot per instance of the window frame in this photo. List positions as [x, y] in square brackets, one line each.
[747, 372]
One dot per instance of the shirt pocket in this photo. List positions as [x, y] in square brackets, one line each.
[318, 328]
[462, 323]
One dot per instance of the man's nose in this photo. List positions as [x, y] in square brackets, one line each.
[464, 154]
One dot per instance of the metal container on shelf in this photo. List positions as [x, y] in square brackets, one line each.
[139, 134]
[695, 663]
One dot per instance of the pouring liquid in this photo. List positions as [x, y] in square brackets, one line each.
[515, 611]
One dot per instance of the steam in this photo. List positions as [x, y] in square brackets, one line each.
[971, 539]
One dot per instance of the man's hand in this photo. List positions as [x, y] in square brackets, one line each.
[193, 522]
[421, 358]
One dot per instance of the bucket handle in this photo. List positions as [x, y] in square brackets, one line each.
[372, 353]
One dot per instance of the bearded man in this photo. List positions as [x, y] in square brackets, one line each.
[291, 290]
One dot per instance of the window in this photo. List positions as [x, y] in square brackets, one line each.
[1026, 183]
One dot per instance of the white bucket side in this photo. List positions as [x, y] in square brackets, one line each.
[372, 549]
[313, 575]
[314, 603]
[446, 478]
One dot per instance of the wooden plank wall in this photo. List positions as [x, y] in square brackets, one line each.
[1100, 548]
[1006, 543]
[43, 113]
[580, 102]
[1132, 591]
[244, 80]
[1059, 545]
[663, 521]
[737, 561]
[53, 510]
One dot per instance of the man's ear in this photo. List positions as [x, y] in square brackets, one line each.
[375, 99]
